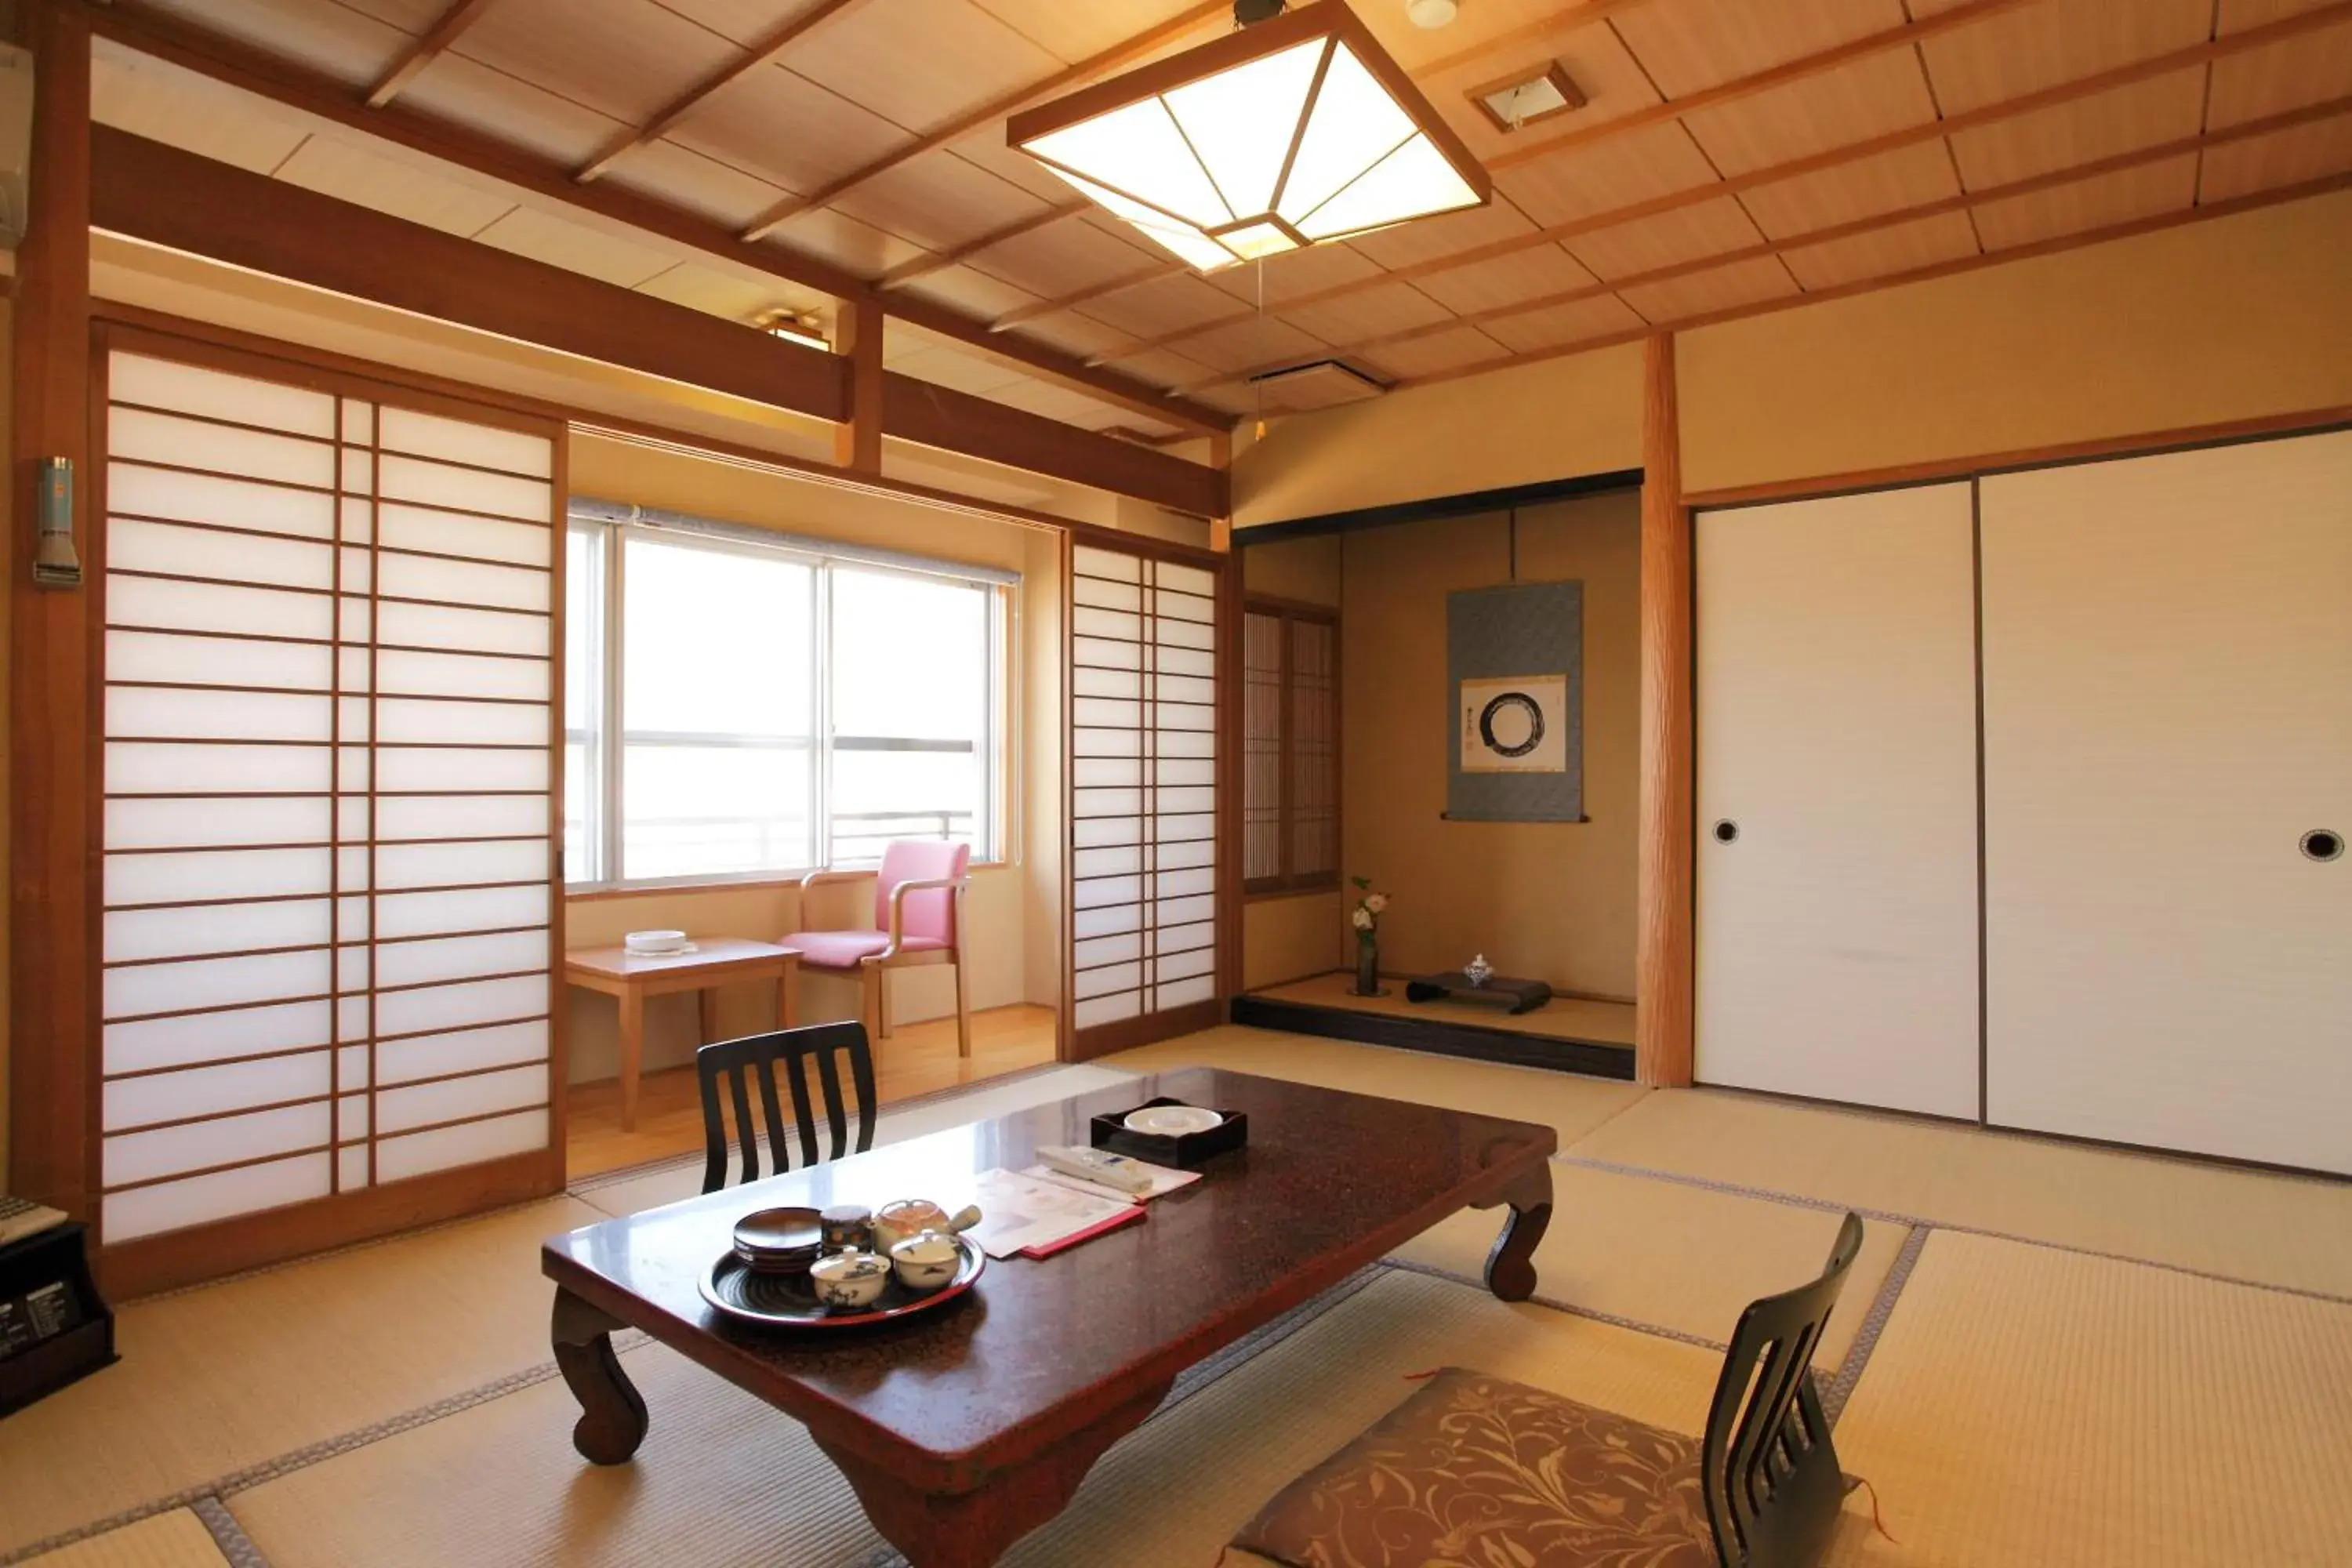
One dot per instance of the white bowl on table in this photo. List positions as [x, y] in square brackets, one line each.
[1172, 1121]
[653, 944]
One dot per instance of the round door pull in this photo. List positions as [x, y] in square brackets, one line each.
[1726, 831]
[2320, 844]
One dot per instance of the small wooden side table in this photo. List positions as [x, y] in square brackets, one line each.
[630, 977]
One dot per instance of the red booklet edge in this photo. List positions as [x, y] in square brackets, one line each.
[1132, 1214]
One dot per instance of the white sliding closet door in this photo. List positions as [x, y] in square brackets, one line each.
[1837, 810]
[328, 730]
[1143, 798]
[2168, 716]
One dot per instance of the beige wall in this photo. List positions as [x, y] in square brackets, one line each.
[1551, 901]
[1551, 420]
[1307, 569]
[2234, 318]
[2238, 318]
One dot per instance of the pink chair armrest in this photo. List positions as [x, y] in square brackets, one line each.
[898, 912]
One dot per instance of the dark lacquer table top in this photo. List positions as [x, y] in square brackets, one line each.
[1329, 1181]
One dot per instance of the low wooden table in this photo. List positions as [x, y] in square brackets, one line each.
[964, 1429]
[630, 977]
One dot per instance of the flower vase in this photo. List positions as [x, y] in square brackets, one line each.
[1368, 967]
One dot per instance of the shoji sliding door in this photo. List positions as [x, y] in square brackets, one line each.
[1837, 783]
[2168, 713]
[1143, 798]
[329, 795]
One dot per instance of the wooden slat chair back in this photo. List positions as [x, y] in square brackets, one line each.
[788, 1053]
[1769, 1472]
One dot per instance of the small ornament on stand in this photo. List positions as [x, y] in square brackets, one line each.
[1478, 972]
[1365, 919]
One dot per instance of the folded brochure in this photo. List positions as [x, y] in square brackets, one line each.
[1037, 1212]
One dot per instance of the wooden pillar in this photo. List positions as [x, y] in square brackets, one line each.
[54, 869]
[1662, 966]
[1220, 458]
[858, 337]
[1229, 735]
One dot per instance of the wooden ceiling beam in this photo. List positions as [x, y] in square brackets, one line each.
[1563, 21]
[2193, 56]
[2277, 196]
[758, 57]
[139, 26]
[1120, 54]
[165, 196]
[906, 272]
[426, 47]
[1906, 35]
[2052, 179]
[1125, 280]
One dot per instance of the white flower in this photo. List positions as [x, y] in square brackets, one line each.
[1376, 902]
[1363, 919]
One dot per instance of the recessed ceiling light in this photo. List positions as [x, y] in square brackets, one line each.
[1283, 134]
[1523, 98]
[796, 327]
[1430, 13]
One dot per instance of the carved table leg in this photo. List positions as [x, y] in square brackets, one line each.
[973, 1529]
[1510, 1266]
[613, 1418]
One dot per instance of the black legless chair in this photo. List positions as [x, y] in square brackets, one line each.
[793, 1051]
[1770, 1474]
[1544, 1480]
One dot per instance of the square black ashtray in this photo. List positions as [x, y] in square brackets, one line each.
[1185, 1150]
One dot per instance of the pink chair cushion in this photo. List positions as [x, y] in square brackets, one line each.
[847, 948]
[930, 914]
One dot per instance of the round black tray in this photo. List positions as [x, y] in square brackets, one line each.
[789, 1300]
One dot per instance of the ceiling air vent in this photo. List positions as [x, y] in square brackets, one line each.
[1322, 384]
[1525, 97]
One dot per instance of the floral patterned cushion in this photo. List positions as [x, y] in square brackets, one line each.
[1476, 1472]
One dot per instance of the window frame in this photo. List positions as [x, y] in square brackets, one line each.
[604, 735]
[1290, 882]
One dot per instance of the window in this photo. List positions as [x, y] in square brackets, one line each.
[743, 709]
[1290, 747]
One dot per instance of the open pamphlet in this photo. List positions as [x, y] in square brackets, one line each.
[1038, 1211]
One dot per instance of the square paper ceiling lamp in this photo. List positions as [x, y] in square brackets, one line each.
[1286, 133]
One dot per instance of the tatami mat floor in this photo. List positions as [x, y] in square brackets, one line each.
[2046, 1355]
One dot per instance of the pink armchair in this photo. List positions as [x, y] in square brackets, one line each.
[918, 920]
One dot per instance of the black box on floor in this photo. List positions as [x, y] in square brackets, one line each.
[54, 1327]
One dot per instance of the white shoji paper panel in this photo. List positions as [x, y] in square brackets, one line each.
[248, 1189]
[467, 1143]
[132, 1102]
[1143, 795]
[263, 684]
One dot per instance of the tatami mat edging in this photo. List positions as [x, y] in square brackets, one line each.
[1922, 1222]
[1840, 1389]
[227, 1534]
[285, 1464]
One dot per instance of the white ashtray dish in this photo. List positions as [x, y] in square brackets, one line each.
[1172, 1121]
[656, 942]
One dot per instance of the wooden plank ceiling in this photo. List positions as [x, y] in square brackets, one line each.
[1733, 155]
